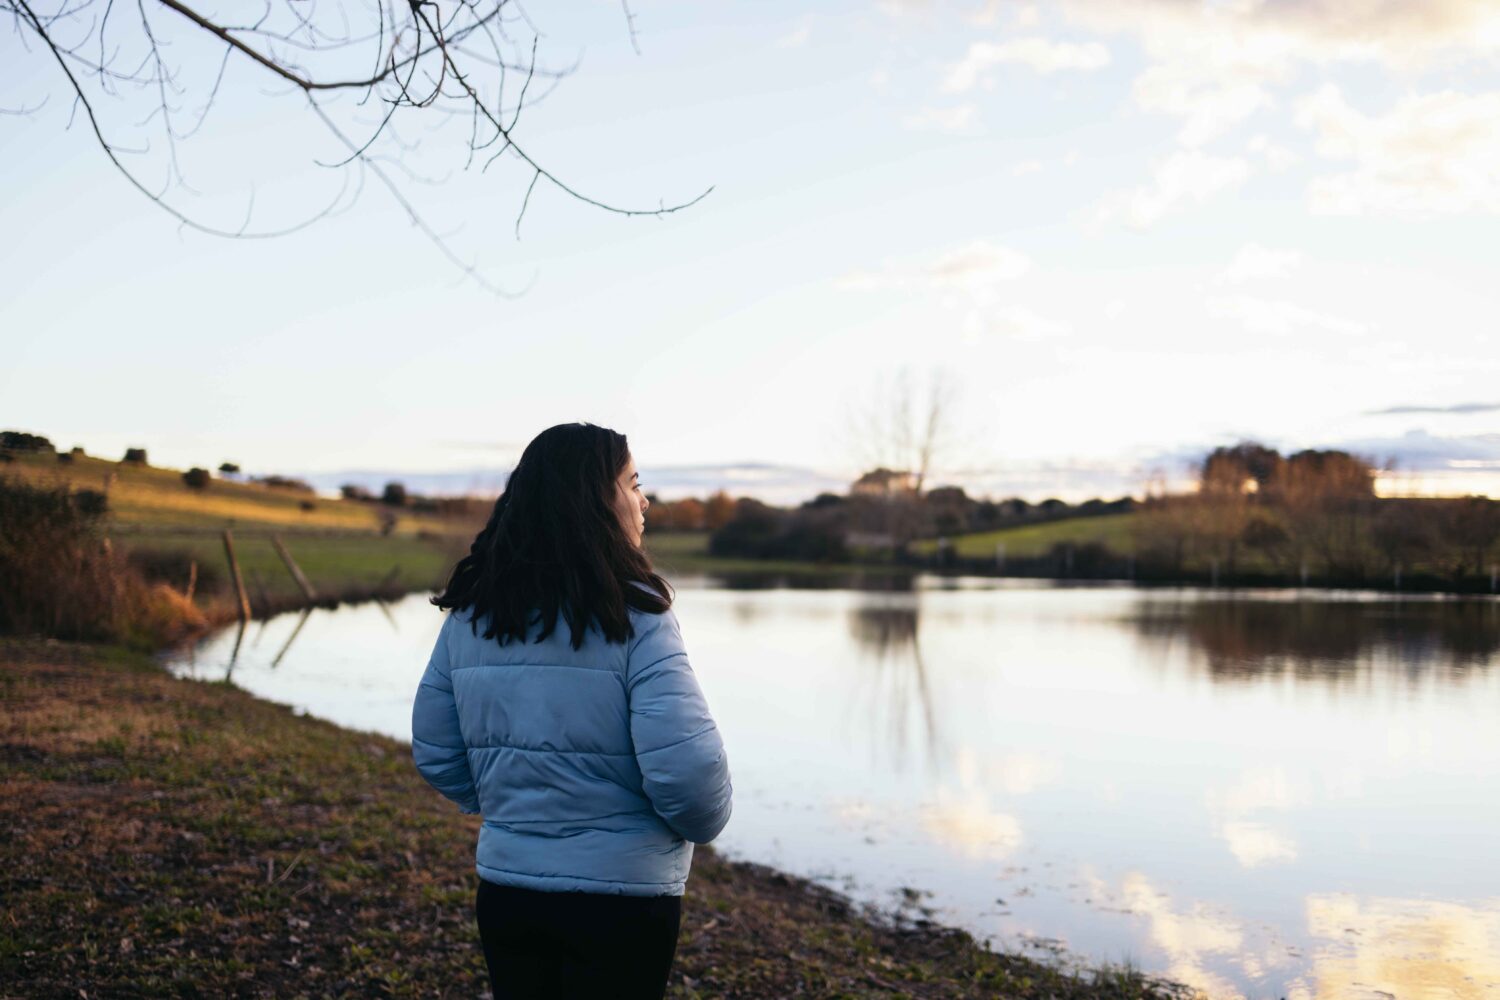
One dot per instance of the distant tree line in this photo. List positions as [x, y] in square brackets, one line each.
[833, 527]
[396, 495]
[1313, 514]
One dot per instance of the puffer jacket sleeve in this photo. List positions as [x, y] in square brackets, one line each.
[437, 741]
[683, 766]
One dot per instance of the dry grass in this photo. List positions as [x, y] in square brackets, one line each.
[148, 496]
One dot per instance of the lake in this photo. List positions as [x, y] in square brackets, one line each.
[1259, 793]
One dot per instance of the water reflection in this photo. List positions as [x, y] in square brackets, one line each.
[1323, 639]
[301, 621]
[1087, 767]
[1407, 948]
[885, 630]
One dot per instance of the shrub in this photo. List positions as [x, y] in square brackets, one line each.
[62, 579]
[285, 483]
[136, 456]
[307, 505]
[196, 478]
[174, 568]
[229, 469]
[759, 532]
[64, 457]
[21, 441]
[354, 491]
[394, 495]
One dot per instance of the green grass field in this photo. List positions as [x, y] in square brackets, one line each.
[1112, 530]
[333, 564]
[682, 552]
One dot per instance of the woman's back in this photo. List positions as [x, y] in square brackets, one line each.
[595, 769]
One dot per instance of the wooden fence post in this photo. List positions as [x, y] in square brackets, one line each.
[295, 570]
[234, 569]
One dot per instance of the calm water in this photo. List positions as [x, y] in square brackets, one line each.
[1261, 794]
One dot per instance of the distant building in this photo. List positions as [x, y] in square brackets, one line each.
[884, 483]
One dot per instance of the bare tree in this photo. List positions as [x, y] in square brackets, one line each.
[906, 427]
[470, 62]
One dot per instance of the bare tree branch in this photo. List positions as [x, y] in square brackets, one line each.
[427, 59]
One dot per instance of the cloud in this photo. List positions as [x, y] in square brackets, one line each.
[1013, 323]
[1253, 844]
[1456, 408]
[1276, 157]
[1038, 54]
[957, 119]
[1255, 262]
[1261, 39]
[966, 824]
[1184, 178]
[977, 264]
[1421, 451]
[1191, 936]
[1214, 66]
[1209, 106]
[796, 38]
[974, 267]
[1430, 154]
[1399, 947]
[1279, 318]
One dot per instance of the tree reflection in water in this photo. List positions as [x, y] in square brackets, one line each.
[1327, 640]
[885, 628]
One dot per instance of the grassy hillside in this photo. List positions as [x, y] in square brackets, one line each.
[146, 496]
[1112, 530]
[347, 548]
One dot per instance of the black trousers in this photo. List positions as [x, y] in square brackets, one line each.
[576, 945]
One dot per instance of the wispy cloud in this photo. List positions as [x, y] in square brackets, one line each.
[1430, 154]
[1279, 318]
[1254, 262]
[956, 119]
[1456, 408]
[1184, 178]
[973, 267]
[1209, 107]
[1040, 55]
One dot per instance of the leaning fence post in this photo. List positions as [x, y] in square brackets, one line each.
[234, 570]
[192, 583]
[296, 571]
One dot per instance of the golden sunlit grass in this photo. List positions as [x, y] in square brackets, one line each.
[148, 496]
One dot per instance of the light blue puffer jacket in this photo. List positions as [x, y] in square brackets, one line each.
[596, 769]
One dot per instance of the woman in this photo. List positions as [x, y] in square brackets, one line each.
[559, 704]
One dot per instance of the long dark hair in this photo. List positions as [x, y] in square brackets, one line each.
[554, 546]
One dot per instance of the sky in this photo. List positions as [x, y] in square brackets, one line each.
[1123, 231]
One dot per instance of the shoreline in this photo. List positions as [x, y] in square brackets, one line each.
[317, 862]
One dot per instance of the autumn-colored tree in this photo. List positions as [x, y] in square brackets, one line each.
[687, 514]
[719, 511]
[1233, 469]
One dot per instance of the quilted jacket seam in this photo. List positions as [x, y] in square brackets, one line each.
[512, 746]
